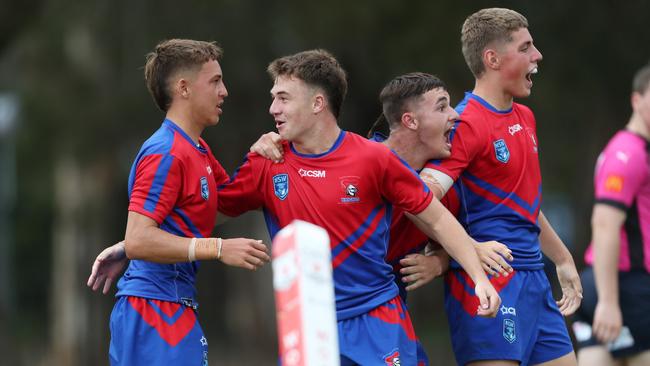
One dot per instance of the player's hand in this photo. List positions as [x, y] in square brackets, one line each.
[269, 146]
[107, 267]
[489, 300]
[608, 321]
[246, 253]
[418, 270]
[569, 280]
[493, 256]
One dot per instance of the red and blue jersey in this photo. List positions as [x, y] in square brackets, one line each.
[622, 180]
[494, 162]
[405, 237]
[174, 182]
[350, 191]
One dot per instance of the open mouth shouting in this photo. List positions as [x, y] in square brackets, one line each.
[529, 77]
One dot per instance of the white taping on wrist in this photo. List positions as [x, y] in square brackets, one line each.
[191, 250]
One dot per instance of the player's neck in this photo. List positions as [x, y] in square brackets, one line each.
[318, 139]
[185, 122]
[406, 149]
[638, 126]
[492, 92]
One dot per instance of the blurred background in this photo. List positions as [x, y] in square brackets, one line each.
[74, 111]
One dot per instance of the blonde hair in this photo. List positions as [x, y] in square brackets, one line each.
[484, 27]
[171, 56]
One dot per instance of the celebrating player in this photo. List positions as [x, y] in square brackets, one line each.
[617, 283]
[348, 185]
[416, 107]
[172, 209]
[495, 167]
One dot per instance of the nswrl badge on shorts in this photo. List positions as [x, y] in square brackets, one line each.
[509, 330]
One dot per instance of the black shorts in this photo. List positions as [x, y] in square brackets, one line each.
[634, 299]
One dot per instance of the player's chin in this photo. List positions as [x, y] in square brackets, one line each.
[443, 151]
[214, 120]
[524, 91]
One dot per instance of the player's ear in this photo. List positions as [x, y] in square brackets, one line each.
[318, 104]
[491, 59]
[408, 120]
[181, 88]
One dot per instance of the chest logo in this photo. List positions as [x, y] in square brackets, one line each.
[501, 151]
[281, 185]
[312, 173]
[205, 189]
[514, 129]
[350, 187]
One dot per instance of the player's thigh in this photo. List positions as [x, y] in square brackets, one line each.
[567, 360]
[642, 359]
[494, 363]
[596, 355]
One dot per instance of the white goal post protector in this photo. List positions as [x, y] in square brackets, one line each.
[304, 296]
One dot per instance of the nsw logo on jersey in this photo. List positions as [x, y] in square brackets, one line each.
[350, 187]
[281, 185]
[501, 151]
[205, 189]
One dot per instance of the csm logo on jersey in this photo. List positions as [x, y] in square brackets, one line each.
[514, 129]
[311, 173]
[350, 186]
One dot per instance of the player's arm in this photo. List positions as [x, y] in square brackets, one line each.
[438, 182]
[567, 274]
[144, 240]
[606, 223]
[493, 255]
[439, 224]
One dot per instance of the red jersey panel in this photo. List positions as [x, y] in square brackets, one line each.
[174, 182]
[350, 191]
[494, 161]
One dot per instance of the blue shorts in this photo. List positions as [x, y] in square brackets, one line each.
[528, 327]
[155, 332]
[382, 337]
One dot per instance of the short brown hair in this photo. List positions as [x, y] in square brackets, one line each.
[484, 27]
[400, 91]
[317, 68]
[171, 56]
[403, 89]
[641, 80]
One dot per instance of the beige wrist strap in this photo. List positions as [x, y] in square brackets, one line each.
[191, 250]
